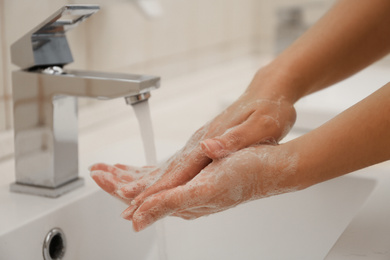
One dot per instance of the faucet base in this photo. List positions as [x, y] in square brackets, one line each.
[47, 192]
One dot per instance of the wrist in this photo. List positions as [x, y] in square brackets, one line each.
[301, 178]
[275, 83]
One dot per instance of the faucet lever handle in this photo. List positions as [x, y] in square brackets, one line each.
[46, 44]
[64, 19]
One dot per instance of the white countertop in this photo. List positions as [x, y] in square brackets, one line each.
[178, 109]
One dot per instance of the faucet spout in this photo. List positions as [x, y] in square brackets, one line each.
[91, 84]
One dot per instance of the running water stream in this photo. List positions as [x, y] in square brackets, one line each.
[142, 112]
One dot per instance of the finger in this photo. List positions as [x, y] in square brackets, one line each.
[97, 167]
[254, 130]
[179, 172]
[186, 215]
[193, 213]
[133, 189]
[107, 181]
[161, 205]
[135, 169]
[126, 167]
[122, 184]
[131, 173]
[197, 212]
[124, 176]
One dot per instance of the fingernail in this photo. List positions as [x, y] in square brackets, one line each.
[211, 145]
[95, 164]
[105, 181]
[138, 228]
[140, 223]
[95, 173]
[120, 193]
[128, 213]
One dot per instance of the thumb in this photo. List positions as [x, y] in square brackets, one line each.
[250, 132]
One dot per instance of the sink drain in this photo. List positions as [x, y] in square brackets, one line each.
[54, 245]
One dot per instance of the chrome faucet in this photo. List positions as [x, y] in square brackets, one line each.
[45, 103]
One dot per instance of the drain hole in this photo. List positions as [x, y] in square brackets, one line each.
[54, 245]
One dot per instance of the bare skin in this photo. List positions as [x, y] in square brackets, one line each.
[338, 147]
[353, 34]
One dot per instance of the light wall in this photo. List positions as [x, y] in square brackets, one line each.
[189, 36]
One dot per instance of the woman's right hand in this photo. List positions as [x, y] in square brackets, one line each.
[254, 118]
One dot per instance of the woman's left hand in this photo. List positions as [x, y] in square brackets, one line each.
[245, 175]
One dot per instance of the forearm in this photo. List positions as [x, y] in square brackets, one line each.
[357, 138]
[351, 36]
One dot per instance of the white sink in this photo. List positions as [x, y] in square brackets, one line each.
[89, 218]
[92, 228]
[301, 225]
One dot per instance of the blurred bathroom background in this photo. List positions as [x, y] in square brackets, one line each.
[159, 37]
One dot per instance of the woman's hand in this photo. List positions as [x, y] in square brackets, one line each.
[250, 120]
[245, 175]
[122, 181]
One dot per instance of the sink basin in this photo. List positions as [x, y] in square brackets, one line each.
[300, 225]
[89, 218]
[92, 229]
